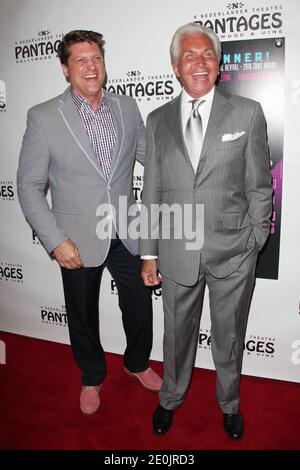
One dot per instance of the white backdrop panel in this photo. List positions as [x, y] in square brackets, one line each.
[137, 35]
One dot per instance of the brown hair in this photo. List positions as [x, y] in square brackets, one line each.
[74, 37]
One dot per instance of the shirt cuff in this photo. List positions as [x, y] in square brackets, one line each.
[148, 257]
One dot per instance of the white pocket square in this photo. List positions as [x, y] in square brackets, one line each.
[230, 137]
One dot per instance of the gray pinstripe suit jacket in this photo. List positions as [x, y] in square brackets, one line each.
[56, 149]
[233, 182]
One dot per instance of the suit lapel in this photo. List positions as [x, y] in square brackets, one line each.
[70, 115]
[173, 117]
[114, 106]
[219, 110]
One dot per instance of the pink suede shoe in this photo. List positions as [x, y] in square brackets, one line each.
[89, 399]
[148, 378]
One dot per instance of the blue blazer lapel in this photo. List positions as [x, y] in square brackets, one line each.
[69, 113]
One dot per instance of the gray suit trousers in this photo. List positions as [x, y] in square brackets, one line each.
[229, 300]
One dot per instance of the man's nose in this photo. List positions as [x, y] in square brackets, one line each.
[200, 60]
[92, 63]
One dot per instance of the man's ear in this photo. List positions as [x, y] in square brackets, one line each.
[175, 69]
[65, 70]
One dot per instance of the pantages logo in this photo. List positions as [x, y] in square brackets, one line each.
[113, 287]
[35, 238]
[2, 97]
[138, 188]
[7, 192]
[259, 346]
[155, 291]
[156, 86]
[54, 316]
[42, 46]
[12, 272]
[238, 20]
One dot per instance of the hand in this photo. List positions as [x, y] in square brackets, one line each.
[67, 255]
[149, 273]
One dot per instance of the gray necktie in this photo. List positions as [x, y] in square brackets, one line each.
[194, 134]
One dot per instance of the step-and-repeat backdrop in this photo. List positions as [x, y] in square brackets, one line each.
[260, 60]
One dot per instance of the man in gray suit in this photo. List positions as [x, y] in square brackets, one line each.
[84, 144]
[204, 149]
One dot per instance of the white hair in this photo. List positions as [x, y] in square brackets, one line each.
[187, 30]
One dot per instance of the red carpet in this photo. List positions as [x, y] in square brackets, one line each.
[39, 409]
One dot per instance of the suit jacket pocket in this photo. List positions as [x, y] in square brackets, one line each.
[232, 144]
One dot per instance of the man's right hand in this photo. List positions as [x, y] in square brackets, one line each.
[67, 255]
[149, 273]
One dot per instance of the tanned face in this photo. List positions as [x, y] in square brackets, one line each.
[86, 71]
[197, 66]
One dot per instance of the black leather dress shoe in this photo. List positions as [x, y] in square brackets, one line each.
[234, 425]
[162, 420]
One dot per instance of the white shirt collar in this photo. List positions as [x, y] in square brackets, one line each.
[186, 98]
[205, 107]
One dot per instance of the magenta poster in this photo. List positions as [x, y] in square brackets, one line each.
[255, 69]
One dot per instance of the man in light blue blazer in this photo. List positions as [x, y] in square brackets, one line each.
[205, 149]
[84, 144]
